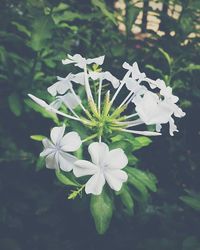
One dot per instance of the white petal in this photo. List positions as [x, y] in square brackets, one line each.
[66, 161]
[115, 82]
[98, 60]
[79, 78]
[158, 127]
[71, 101]
[172, 127]
[70, 142]
[115, 178]
[116, 159]
[95, 184]
[95, 75]
[178, 112]
[39, 101]
[83, 168]
[56, 134]
[98, 152]
[63, 86]
[47, 151]
[67, 61]
[57, 103]
[53, 89]
[52, 161]
[47, 143]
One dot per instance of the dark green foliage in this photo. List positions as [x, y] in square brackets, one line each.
[34, 211]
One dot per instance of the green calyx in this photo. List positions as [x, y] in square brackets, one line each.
[104, 122]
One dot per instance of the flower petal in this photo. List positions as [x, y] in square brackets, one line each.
[98, 60]
[115, 178]
[79, 78]
[116, 159]
[95, 184]
[83, 168]
[57, 103]
[98, 152]
[70, 142]
[66, 161]
[39, 101]
[109, 77]
[52, 161]
[47, 143]
[71, 101]
[53, 89]
[46, 152]
[172, 127]
[57, 133]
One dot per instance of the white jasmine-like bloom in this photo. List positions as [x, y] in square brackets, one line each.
[69, 100]
[65, 83]
[133, 72]
[135, 86]
[81, 62]
[105, 76]
[106, 166]
[61, 86]
[154, 110]
[56, 151]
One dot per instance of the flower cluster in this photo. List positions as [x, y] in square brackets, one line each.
[152, 101]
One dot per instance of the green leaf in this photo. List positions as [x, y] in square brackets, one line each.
[140, 142]
[102, 6]
[190, 68]
[60, 7]
[166, 56]
[22, 28]
[15, 104]
[146, 179]
[131, 14]
[67, 179]
[41, 32]
[152, 68]
[101, 207]
[130, 143]
[192, 202]
[127, 199]
[192, 199]
[37, 137]
[40, 163]
[139, 186]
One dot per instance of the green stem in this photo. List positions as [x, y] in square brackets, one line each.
[90, 137]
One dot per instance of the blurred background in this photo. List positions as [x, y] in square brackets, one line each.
[163, 37]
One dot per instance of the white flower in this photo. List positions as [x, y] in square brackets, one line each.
[169, 98]
[56, 150]
[105, 76]
[61, 86]
[133, 72]
[68, 99]
[134, 86]
[106, 166]
[154, 110]
[50, 108]
[65, 83]
[151, 109]
[81, 62]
